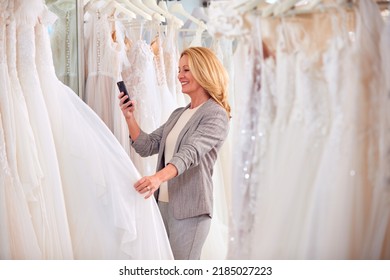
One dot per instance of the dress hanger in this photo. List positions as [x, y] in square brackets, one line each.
[247, 6]
[88, 5]
[310, 6]
[177, 8]
[178, 22]
[152, 4]
[269, 10]
[136, 9]
[145, 8]
[284, 6]
[63, 4]
[113, 5]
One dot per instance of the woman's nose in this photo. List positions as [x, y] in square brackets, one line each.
[180, 75]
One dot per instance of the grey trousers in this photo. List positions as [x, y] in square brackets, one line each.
[186, 236]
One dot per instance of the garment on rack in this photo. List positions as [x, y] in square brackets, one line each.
[104, 60]
[171, 61]
[113, 212]
[85, 206]
[63, 38]
[316, 187]
[141, 83]
[48, 211]
[17, 235]
[168, 101]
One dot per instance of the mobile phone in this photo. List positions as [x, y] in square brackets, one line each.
[122, 88]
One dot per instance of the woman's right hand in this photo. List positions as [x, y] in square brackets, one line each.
[128, 107]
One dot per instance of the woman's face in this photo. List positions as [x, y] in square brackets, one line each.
[188, 83]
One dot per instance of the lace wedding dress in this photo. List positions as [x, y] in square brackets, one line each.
[141, 82]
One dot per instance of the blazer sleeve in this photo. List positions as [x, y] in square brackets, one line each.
[148, 144]
[210, 133]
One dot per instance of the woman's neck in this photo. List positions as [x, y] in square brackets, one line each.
[195, 102]
[198, 102]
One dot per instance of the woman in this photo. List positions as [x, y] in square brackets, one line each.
[187, 146]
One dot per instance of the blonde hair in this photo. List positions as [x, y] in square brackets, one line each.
[209, 72]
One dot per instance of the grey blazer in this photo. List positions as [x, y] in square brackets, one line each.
[191, 192]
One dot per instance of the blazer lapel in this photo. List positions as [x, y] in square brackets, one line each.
[192, 121]
[168, 127]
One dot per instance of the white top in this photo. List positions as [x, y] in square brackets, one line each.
[170, 146]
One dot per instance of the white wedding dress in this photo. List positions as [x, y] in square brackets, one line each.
[20, 168]
[141, 83]
[103, 207]
[314, 182]
[85, 206]
[48, 211]
[63, 38]
[103, 62]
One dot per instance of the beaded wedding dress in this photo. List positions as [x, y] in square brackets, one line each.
[311, 176]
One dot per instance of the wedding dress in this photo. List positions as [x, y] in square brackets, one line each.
[108, 219]
[63, 37]
[141, 83]
[321, 162]
[17, 235]
[48, 211]
[171, 61]
[85, 206]
[168, 101]
[103, 63]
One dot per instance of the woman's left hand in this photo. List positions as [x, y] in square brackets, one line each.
[148, 185]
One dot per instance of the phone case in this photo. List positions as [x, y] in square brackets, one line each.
[122, 88]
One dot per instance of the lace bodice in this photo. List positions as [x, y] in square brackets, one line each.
[140, 80]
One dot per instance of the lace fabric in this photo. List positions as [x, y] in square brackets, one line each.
[141, 82]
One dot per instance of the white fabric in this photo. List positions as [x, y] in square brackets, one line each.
[171, 61]
[63, 38]
[17, 236]
[106, 215]
[171, 144]
[312, 159]
[141, 83]
[48, 212]
[81, 203]
[103, 60]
